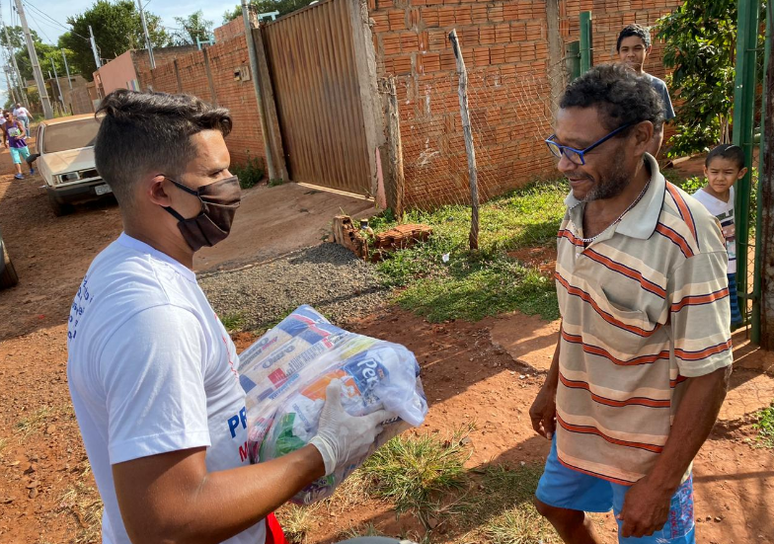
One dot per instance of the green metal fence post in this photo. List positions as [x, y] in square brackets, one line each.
[573, 59]
[744, 104]
[586, 43]
[755, 329]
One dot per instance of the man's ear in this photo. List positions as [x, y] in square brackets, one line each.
[742, 173]
[643, 134]
[156, 187]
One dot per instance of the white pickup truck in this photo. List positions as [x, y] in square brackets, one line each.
[65, 159]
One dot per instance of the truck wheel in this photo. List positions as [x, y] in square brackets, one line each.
[59, 208]
[8, 278]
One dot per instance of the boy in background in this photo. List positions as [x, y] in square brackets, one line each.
[722, 168]
[633, 47]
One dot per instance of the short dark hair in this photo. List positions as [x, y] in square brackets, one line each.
[633, 30]
[621, 95]
[145, 131]
[726, 151]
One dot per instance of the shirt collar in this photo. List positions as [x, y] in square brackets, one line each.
[640, 221]
[141, 247]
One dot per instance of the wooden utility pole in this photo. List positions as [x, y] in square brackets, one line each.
[395, 183]
[467, 132]
[44, 100]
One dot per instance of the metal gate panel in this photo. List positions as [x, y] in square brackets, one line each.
[312, 63]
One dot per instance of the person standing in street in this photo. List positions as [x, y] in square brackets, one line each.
[643, 358]
[22, 114]
[14, 136]
[153, 374]
[634, 46]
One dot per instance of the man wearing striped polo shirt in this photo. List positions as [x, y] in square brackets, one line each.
[644, 355]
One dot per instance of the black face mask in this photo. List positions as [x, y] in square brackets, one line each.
[220, 201]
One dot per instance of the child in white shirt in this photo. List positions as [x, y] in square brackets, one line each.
[722, 168]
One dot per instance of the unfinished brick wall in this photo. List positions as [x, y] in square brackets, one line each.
[608, 18]
[188, 74]
[162, 56]
[230, 30]
[505, 46]
[246, 140]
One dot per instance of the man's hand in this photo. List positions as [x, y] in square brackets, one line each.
[543, 411]
[645, 509]
[341, 436]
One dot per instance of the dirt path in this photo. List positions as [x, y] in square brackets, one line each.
[46, 489]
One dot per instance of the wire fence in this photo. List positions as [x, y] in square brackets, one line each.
[511, 113]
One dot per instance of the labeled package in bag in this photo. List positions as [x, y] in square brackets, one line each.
[285, 375]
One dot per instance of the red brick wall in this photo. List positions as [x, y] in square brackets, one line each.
[230, 30]
[246, 139]
[608, 18]
[239, 97]
[505, 46]
[162, 56]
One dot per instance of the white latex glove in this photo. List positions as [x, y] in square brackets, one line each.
[341, 436]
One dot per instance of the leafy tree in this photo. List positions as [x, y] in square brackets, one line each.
[266, 6]
[16, 35]
[700, 45]
[194, 26]
[46, 52]
[117, 28]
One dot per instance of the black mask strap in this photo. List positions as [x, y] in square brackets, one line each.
[174, 213]
[184, 188]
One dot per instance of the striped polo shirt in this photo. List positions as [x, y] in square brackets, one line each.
[644, 307]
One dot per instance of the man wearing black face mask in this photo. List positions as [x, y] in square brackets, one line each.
[153, 374]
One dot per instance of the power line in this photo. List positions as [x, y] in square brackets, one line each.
[44, 14]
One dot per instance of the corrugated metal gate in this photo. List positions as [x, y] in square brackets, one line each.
[313, 69]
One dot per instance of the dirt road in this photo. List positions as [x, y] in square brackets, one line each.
[47, 493]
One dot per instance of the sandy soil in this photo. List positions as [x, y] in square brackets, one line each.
[487, 372]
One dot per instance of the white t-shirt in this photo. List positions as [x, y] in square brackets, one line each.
[724, 211]
[151, 369]
[21, 112]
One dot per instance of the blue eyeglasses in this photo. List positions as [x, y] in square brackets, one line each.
[576, 156]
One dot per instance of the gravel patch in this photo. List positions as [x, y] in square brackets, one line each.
[328, 277]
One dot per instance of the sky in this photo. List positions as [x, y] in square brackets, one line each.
[59, 10]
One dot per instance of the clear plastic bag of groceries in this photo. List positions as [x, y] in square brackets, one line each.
[285, 374]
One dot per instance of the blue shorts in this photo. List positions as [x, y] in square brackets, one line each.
[17, 153]
[562, 487]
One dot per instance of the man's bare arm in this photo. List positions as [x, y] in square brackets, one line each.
[542, 413]
[693, 423]
[172, 498]
[647, 503]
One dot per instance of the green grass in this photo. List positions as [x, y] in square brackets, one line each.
[765, 427]
[297, 521]
[474, 284]
[233, 322]
[414, 473]
[507, 507]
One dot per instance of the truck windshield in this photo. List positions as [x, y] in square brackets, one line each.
[72, 135]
